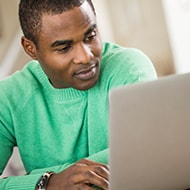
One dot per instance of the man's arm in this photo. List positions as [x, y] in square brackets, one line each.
[100, 177]
[84, 174]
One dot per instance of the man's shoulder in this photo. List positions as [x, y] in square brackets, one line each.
[21, 81]
[109, 48]
[112, 51]
[123, 65]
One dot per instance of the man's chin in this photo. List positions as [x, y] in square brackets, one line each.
[87, 84]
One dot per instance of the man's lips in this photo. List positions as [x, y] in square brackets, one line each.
[86, 73]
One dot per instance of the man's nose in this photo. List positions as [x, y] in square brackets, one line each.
[83, 54]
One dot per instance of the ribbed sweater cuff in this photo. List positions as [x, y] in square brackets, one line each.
[28, 182]
[21, 182]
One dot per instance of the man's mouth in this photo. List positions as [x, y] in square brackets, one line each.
[86, 73]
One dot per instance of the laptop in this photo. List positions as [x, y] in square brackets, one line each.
[150, 135]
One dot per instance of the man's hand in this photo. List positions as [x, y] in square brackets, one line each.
[82, 175]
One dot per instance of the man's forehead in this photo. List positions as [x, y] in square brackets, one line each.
[67, 22]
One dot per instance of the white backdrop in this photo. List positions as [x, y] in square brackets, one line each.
[178, 20]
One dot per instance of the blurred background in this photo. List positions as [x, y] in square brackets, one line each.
[160, 28]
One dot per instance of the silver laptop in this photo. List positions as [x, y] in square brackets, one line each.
[150, 135]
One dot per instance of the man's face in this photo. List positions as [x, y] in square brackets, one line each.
[69, 48]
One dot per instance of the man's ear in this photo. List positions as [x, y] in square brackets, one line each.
[29, 47]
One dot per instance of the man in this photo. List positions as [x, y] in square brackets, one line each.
[55, 110]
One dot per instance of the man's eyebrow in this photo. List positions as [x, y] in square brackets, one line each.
[68, 42]
[90, 29]
[61, 43]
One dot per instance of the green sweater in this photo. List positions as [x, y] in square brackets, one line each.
[54, 128]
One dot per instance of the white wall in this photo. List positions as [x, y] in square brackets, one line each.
[141, 24]
[12, 56]
[103, 19]
[178, 20]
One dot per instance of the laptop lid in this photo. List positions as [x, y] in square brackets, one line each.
[150, 135]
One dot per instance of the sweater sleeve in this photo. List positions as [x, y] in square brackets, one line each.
[29, 181]
[128, 66]
[101, 157]
[19, 182]
[14, 183]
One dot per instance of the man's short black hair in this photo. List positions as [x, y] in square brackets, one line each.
[31, 11]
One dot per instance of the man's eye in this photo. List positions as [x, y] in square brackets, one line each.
[91, 37]
[64, 49]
